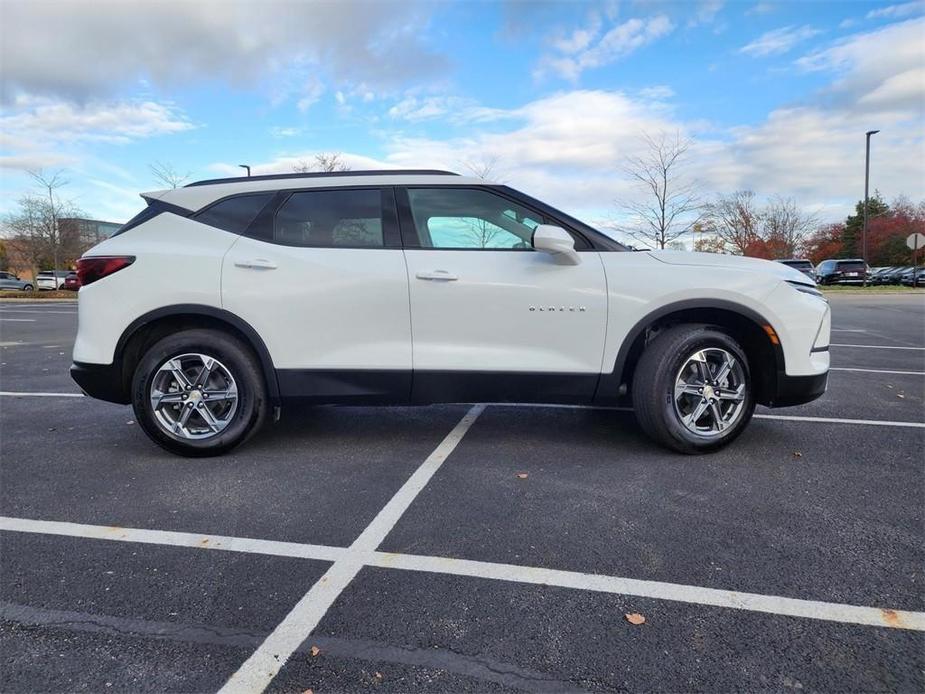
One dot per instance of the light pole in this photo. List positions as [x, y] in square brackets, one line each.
[248, 168]
[866, 185]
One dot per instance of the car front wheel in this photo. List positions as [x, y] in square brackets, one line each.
[692, 389]
[199, 393]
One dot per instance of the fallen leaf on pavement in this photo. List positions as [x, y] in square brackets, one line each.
[315, 651]
[635, 618]
[797, 454]
[308, 691]
[522, 475]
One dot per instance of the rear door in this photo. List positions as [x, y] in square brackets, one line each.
[493, 319]
[320, 275]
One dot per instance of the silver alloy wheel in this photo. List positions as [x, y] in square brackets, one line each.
[709, 392]
[193, 396]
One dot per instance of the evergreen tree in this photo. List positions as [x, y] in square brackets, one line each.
[852, 239]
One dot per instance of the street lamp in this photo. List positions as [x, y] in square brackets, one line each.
[248, 168]
[866, 184]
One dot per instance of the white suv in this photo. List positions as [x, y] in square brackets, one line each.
[223, 300]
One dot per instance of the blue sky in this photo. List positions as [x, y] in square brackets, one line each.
[775, 95]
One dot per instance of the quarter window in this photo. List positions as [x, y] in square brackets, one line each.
[234, 214]
[469, 219]
[331, 218]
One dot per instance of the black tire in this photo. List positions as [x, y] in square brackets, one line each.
[653, 388]
[27, 288]
[240, 363]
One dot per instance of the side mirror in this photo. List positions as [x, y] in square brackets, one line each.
[557, 242]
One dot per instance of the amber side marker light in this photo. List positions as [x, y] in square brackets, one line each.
[772, 336]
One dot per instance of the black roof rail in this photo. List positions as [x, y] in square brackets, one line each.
[323, 174]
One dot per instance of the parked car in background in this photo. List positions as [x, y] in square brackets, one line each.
[426, 287]
[51, 279]
[804, 266]
[893, 275]
[849, 271]
[72, 282]
[877, 274]
[10, 281]
[913, 274]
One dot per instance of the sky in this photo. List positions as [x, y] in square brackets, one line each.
[776, 96]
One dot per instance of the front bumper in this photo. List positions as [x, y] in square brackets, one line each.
[101, 381]
[798, 390]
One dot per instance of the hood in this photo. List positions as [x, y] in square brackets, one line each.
[733, 262]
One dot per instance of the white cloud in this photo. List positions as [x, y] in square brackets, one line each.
[587, 51]
[284, 131]
[85, 49]
[778, 41]
[706, 12]
[659, 92]
[906, 9]
[760, 8]
[49, 120]
[878, 71]
[43, 132]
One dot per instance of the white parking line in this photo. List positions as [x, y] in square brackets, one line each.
[839, 420]
[15, 394]
[5, 311]
[877, 371]
[19, 320]
[920, 349]
[351, 558]
[256, 673]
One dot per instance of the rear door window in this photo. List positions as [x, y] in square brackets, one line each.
[332, 219]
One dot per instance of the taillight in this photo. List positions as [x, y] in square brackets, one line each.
[91, 269]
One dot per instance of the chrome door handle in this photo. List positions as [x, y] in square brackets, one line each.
[438, 275]
[256, 264]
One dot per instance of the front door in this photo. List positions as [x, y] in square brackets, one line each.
[492, 319]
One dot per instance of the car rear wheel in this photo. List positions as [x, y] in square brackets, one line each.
[199, 393]
[27, 288]
[692, 389]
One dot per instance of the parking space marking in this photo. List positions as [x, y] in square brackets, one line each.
[173, 538]
[256, 673]
[5, 311]
[676, 592]
[350, 560]
[794, 418]
[877, 371]
[840, 420]
[920, 349]
[15, 394]
[18, 320]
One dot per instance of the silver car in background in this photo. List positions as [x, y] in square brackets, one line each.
[10, 281]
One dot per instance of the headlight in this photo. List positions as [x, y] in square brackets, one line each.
[806, 289]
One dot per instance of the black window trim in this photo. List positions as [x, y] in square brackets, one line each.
[549, 215]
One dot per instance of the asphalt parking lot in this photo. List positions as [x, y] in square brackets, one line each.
[462, 548]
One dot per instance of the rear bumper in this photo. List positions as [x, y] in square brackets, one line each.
[100, 381]
[798, 390]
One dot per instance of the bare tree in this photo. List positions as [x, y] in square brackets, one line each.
[484, 167]
[479, 232]
[735, 219]
[168, 175]
[326, 162]
[37, 226]
[786, 226]
[669, 206]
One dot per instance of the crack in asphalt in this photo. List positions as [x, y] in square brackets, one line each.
[480, 668]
